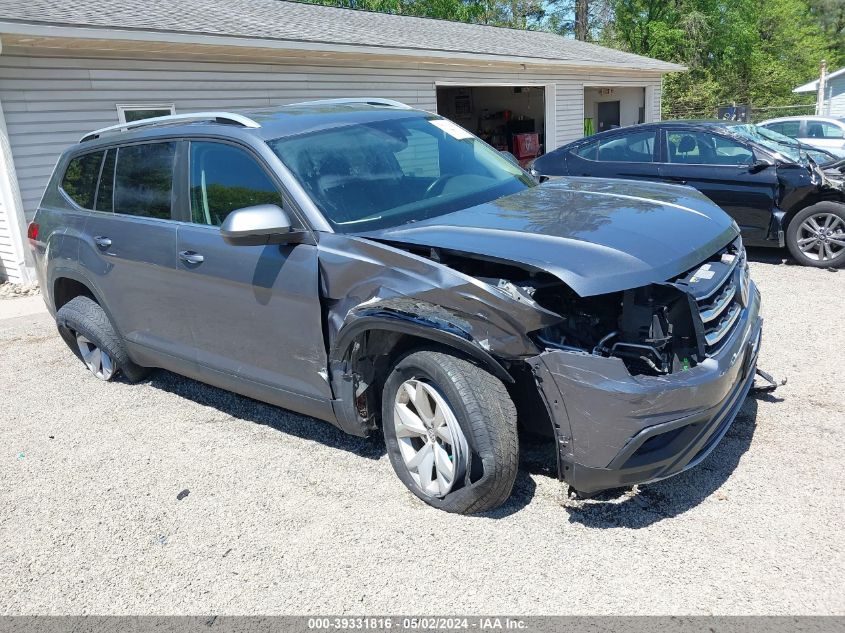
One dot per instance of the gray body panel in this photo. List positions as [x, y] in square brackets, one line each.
[254, 311]
[135, 274]
[281, 322]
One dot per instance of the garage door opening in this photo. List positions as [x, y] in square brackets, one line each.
[609, 107]
[510, 118]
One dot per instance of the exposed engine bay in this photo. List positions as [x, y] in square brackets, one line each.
[655, 330]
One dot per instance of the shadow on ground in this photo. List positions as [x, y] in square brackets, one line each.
[276, 418]
[766, 255]
[537, 458]
[674, 496]
[653, 503]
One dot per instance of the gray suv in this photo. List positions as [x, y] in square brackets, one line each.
[375, 266]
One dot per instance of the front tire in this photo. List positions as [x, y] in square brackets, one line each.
[450, 430]
[816, 235]
[86, 329]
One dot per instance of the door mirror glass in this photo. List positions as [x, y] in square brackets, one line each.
[258, 225]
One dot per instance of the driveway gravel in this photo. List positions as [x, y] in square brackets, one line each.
[175, 497]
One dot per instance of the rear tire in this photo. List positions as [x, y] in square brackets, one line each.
[816, 235]
[86, 329]
[474, 453]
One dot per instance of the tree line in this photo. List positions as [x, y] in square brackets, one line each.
[737, 51]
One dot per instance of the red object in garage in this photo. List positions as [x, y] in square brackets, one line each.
[526, 146]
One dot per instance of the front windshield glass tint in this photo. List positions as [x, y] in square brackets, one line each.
[783, 145]
[386, 173]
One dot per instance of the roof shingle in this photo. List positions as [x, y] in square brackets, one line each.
[277, 20]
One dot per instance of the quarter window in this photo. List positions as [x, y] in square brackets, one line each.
[699, 148]
[225, 178]
[80, 180]
[143, 180]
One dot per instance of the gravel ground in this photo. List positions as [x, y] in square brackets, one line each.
[288, 515]
[8, 290]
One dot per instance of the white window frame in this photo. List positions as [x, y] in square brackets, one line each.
[123, 108]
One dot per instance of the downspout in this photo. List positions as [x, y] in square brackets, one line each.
[10, 200]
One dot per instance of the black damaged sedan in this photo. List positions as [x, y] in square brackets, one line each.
[382, 269]
[779, 191]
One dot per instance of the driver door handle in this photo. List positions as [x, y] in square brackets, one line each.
[191, 257]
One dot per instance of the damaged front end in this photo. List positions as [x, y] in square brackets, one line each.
[654, 396]
[635, 385]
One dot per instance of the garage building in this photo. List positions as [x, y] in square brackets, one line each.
[67, 68]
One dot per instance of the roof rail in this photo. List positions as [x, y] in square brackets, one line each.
[219, 117]
[376, 101]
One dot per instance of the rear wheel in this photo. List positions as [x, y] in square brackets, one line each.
[816, 235]
[86, 329]
[450, 430]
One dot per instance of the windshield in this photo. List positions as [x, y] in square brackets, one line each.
[390, 172]
[783, 145]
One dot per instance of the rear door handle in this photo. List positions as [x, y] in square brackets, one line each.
[191, 257]
[680, 181]
[102, 241]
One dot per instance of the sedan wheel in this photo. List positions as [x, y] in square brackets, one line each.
[95, 358]
[431, 442]
[821, 237]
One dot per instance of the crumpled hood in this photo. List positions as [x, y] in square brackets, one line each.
[597, 235]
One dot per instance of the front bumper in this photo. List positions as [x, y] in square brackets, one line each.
[613, 429]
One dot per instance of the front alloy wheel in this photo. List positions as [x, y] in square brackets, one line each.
[450, 431]
[816, 235]
[822, 236]
[431, 441]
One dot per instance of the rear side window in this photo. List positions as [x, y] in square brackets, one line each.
[637, 147]
[788, 128]
[225, 178]
[822, 129]
[80, 180]
[143, 180]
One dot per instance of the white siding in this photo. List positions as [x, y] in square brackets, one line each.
[51, 101]
[8, 252]
[13, 266]
[836, 97]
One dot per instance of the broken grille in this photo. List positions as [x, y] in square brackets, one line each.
[721, 308]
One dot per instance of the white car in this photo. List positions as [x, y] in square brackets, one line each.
[826, 133]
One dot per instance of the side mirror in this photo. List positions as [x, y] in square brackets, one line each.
[758, 166]
[258, 225]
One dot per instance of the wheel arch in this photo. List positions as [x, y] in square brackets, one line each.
[65, 284]
[833, 198]
[367, 346]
